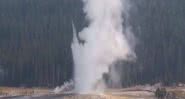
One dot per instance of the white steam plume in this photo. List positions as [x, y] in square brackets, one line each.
[104, 44]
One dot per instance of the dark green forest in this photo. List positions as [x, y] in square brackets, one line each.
[36, 35]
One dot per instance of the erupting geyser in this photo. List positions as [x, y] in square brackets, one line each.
[105, 43]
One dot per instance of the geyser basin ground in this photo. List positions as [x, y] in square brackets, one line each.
[111, 94]
[128, 93]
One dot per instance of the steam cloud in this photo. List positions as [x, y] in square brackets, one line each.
[105, 42]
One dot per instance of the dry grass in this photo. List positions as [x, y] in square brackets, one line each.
[178, 93]
[11, 91]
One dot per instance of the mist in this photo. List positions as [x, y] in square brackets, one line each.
[105, 42]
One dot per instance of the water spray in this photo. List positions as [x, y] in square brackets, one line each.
[105, 43]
